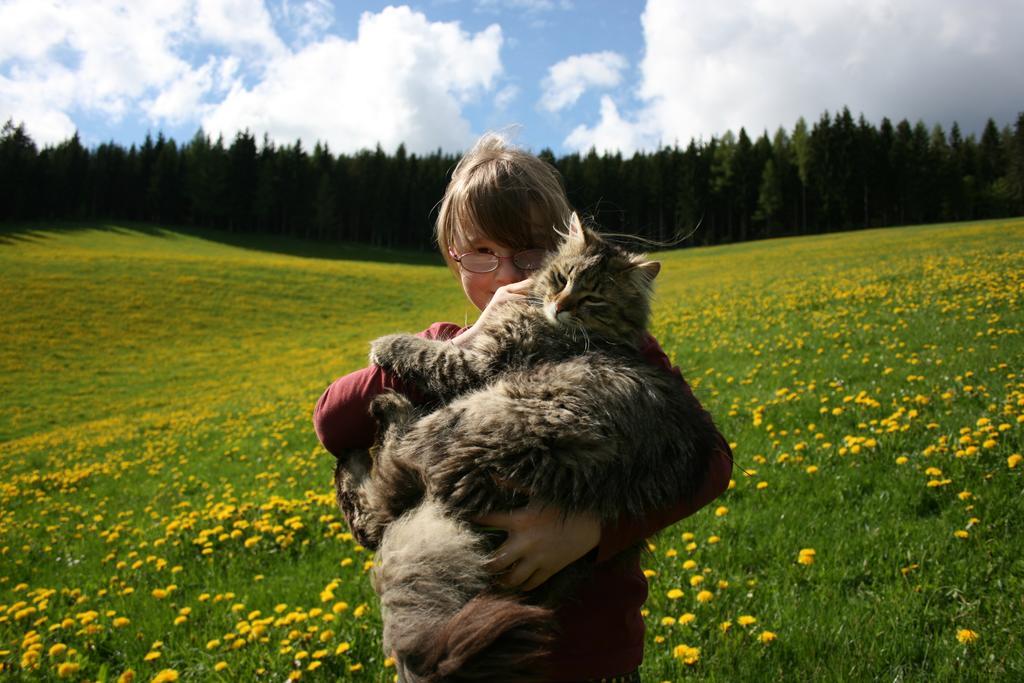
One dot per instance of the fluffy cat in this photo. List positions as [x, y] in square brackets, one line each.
[551, 402]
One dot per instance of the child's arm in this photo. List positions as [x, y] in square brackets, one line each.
[343, 424]
[548, 541]
[627, 532]
[542, 541]
[342, 417]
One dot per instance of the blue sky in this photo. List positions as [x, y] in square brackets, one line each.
[437, 73]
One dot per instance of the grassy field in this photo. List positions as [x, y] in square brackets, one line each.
[166, 510]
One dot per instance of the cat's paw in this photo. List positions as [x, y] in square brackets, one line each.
[389, 351]
[390, 408]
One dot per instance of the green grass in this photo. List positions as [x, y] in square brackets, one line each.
[158, 387]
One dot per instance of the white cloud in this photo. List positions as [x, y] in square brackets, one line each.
[759, 64]
[99, 56]
[612, 133]
[505, 97]
[308, 19]
[242, 25]
[181, 99]
[354, 94]
[569, 78]
[222, 63]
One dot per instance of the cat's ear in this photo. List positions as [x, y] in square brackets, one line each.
[576, 232]
[647, 269]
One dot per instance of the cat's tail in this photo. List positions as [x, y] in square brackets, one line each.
[494, 638]
[441, 620]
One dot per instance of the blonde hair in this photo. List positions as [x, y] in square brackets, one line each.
[504, 194]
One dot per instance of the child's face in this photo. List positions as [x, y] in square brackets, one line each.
[480, 287]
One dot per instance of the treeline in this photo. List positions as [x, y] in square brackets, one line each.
[837, 174]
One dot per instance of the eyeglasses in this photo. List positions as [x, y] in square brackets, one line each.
[479, 262]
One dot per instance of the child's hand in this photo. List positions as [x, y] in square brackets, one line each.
[540, 543]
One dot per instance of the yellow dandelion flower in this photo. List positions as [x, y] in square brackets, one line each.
[314, 665]
[127, 676]
[761, 485]
[668, 621]
[720, 511]
[220, 666]
[696, 580]
[121, 621]
[159, 593]
[807, 556]
[212, 644]
[165, 676]
[342, 648]
[360, 610]
[650, 573]
[705, 596]
[746, 620]
[1014, 459]
[960, 533]
[150, 656]
[320, 654]
[966, 636]
[339, 607]
[688, 655]
[766, 636]
[714, 539]
[811, 469]
[355, 667]
[687, 618]
[725, 626]
[58, 649]
[67, 669]
[902, 460]
[30, 659]
[689, 564]
[674, 594]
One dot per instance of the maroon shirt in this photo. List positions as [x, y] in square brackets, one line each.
[602, 631]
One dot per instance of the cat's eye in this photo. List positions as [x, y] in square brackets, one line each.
[591, 300]
[558, 279]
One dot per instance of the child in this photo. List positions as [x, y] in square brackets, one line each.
[499, 213]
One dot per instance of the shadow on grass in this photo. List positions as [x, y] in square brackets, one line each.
[39, 231]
